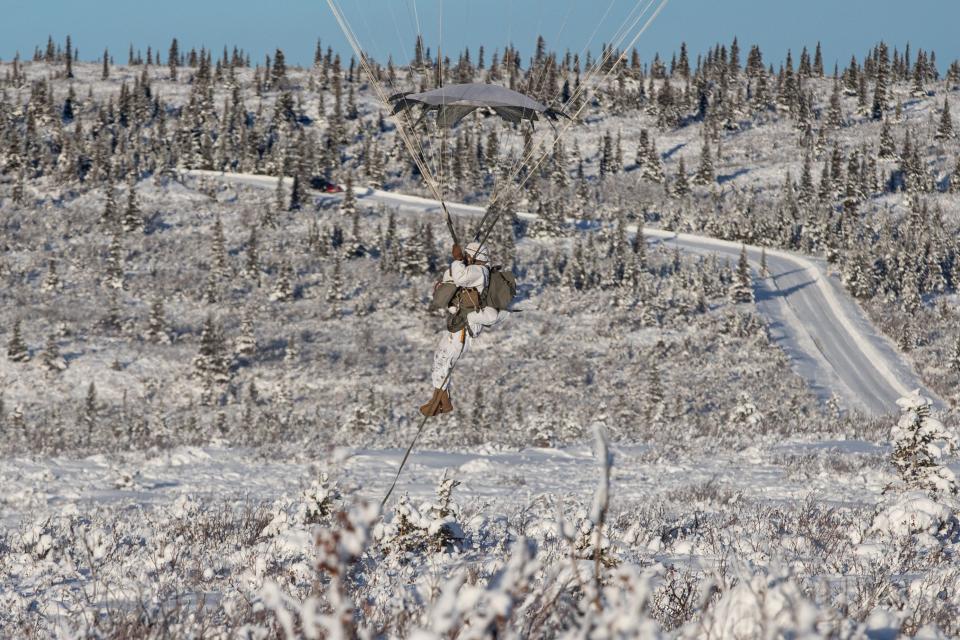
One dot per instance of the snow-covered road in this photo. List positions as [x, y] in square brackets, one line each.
[829, 339]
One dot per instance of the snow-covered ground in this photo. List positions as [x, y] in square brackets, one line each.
[233, 526]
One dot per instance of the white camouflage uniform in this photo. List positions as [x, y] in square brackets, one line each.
[454, 345]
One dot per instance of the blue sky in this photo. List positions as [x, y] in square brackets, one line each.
[386, 27]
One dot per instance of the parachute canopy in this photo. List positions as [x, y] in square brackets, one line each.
[454, 102]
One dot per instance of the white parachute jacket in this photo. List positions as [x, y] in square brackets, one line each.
[472, 276]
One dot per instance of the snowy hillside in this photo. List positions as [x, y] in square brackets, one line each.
[208, 383]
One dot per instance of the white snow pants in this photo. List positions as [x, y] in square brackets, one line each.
[454, 345]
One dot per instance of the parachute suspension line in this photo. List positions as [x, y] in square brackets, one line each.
[364, 63]
[407, 137]
[542, 72]
[628, 24]
[613, 68]
[582, 89]
[623, 30]
[416, 16]
[423, 423]
[518, 162]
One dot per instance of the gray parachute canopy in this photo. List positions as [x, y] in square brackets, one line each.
[453, 102]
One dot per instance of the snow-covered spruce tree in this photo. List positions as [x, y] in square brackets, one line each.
[173, 59]
[278, 74]
[835, 110]
[51, 358]
[283, 288]
[920, 444]
[251, 269]
[741, 289]
[681, 188]
[218, 250]
[132, 219]
[109, 215]
[17, 350]
[52, 281]
[945, 129]
[88, 413]
[355, 248]
[245, 345]
[888, 146]
[335, 294]
[156, 323]
[211, 361]
[653, 165]
[705, 172]
[114, 276]
[348, 206]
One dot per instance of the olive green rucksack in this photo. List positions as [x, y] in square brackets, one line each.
[501, 290]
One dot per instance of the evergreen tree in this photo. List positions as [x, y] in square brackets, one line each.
[109, 215]
[16, 348]
[218, 250]
[654, 395]
[705, 172]
[918, 90]
[68, 57]
[51, 357]
[741, 289]
[115, 259]
[335, 293]
[835, 111]
[888, 146]
[278, 75]
[89, 413]
[106, 65]
[173, 59]
[296, 194]
[245, 346]
[290, 352]
[681, 188]
[252, 267]
[52, 280]
[355, 247]
[283, 289]
[156, 323]
[945, 130]
[920, 444]
[280, 201]
[211, 362]
[955, 188]
[132, 220]
[348, 205]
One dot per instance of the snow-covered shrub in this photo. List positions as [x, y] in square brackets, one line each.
[759, 604]
[432, 527]
[916, 516]
[493, 610]
[920, 444]
[920, 507]
[319, 500]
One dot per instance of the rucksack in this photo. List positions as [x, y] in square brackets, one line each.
[501, 290]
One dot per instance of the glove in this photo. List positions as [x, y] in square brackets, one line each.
[457, 252]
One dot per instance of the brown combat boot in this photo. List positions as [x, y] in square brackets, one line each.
[439, 403]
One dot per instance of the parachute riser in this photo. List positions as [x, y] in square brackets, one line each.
[450, 227]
